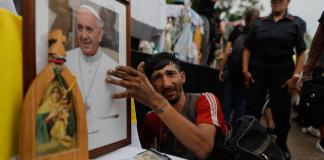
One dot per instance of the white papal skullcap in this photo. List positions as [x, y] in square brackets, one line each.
[92, 11]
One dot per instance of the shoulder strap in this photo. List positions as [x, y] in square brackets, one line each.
[192, 98]
[189, 111]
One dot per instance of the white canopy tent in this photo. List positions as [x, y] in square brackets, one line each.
[149, 18]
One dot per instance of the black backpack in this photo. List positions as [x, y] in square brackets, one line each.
[234, 63]
[249, 141]
[311, 106]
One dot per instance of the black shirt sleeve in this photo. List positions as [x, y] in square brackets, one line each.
[302, 24]
[248, 43]
[321, 20]
[237, 31]
[299, 39]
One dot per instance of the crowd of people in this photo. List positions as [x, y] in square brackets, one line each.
[259, 74]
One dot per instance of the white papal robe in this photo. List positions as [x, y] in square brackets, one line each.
[91, 75]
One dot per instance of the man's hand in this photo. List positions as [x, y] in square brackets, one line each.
[247, 78]
[291, 84]
[221, 76]
[137, 85]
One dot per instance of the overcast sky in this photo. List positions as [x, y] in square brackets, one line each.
[309, 10]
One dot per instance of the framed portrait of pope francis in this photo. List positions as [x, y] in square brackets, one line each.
[96, 37]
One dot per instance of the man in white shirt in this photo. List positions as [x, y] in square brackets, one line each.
[89, 63]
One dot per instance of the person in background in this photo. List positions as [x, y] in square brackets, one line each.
[181, 124]
[316, 52]
[268, 65]
[270, 126]
[216, 38]
[231, 72]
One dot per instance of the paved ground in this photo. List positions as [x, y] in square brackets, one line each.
[302, 146]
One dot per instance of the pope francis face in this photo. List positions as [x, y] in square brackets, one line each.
[89, 33]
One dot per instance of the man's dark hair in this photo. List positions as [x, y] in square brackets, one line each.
[160, 60]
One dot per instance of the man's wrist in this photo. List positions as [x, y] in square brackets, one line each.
[244, 71]
[158, 103]
[295, 78]
[297, 75]
[160, 109]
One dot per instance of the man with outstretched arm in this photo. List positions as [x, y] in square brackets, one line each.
[182, 124]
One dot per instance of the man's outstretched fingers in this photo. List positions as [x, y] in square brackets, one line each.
[119, 74]
[128, 70]
[140, 67]
[119, 95]
[118, 82]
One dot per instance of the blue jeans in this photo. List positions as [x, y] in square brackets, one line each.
[234, 100]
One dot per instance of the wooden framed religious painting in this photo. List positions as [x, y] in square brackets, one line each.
[71, 44]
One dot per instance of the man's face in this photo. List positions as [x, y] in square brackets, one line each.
[279, 6]
[168, 81]
[89, 34]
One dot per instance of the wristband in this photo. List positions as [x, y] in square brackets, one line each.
[161, 109]
[299, 76]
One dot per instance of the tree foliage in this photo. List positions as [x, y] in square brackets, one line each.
[234, 9]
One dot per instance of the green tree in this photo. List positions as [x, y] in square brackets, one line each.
[232, 9]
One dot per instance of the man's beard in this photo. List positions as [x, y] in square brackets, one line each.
[174, 100]
[177, 97]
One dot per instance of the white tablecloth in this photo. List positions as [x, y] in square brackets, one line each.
[127, 153]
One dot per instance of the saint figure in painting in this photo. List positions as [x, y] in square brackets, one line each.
[55, 121]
